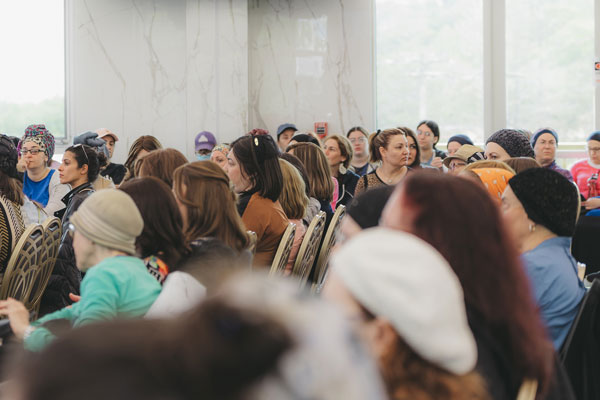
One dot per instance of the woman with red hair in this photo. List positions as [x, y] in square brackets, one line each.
[464, 224]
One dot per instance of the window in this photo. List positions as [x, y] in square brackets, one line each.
[475, 66]
[32, 78]
[549, 59]
[430, 64]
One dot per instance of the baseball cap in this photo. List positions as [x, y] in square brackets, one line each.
[205, 141]
[102, 132]
[283, 127]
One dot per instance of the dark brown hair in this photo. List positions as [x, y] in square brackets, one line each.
[496, 288]
[317, 170]
[163, 226]
[409, 132]
[203, 187]
[85, 155]
[161, 164]
[11, 188]
[257, 156]
[216, 351]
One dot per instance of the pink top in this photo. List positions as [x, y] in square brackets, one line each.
[298, 236]
[581, 172]
[336, 193]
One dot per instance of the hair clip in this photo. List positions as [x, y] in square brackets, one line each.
[256, 141]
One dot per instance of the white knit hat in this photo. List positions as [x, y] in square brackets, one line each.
[401, 278]
[109, 218]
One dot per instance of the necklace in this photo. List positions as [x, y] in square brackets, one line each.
[389, 180]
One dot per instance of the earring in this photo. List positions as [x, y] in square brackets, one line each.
[531, 228]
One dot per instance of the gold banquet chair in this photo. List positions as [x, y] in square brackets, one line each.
[328, 244]
[283, 251]
[309, 248]
[52, 237]
[23, 265]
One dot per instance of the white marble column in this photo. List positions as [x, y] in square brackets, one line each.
[311, 61]
[168, 68]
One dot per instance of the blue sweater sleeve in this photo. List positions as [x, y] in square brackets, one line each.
[99, 297]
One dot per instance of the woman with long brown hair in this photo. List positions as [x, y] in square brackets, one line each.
[207, 205]
[253, 167]
[319, 174]
[139, 148]
[161, 244]
[161, 164]
[511, 340]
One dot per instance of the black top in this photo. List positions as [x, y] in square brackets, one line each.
[243, 200]
[346, 185]
[116, 172]
[73, 200]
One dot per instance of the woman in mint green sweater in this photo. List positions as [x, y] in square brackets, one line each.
[116, 284]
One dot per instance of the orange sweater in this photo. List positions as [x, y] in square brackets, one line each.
[268, 220]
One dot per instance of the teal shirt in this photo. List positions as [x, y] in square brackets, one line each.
[117, 287]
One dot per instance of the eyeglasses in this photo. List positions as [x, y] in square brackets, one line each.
[84, 152]
[424, 133]
[358, 140]
[33, 152]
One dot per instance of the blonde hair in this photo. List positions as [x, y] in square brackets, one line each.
[488, 164]
[381, 139]
[317, 169]
[203, 187]
[293, 197]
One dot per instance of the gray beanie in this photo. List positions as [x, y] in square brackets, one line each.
[111, 219]
[515, 143]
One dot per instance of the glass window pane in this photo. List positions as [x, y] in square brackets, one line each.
[430, 65]
[32, 78]
[549, 66]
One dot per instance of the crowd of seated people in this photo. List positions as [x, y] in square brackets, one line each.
[452, 276]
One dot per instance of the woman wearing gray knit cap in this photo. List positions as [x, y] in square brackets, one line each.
[507, 143]
[540, 207]
[116, 283]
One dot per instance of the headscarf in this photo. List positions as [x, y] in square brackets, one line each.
[223, 148]
[495, 180]
[40, 136]
[514, 142]
[8, 157]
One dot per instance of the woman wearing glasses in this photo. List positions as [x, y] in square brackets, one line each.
[359, 138]
[428, 134]
[585, 173]
[41, 184]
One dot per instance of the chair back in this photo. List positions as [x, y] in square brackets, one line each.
[583, 245]
[283, 250]
[309, 248]
[23, 265]
[52, 237]
[328, 243]
[252, 238]
[580, 353]
[578, 202]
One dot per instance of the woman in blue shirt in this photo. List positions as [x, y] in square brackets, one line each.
[540, 207]
[41, 184]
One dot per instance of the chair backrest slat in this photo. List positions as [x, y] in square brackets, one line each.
[309, 248]
[283, 250]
